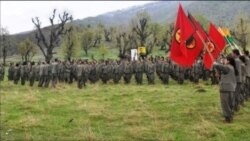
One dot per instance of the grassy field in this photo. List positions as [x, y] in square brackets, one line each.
[118, 113]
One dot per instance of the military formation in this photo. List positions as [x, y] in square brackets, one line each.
[234, 80]
[107, 71]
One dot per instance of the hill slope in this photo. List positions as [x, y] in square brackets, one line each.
[161, 12]
[165, 11]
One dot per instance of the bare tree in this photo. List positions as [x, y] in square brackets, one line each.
[48, 44]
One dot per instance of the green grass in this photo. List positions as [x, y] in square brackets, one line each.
[118, 113]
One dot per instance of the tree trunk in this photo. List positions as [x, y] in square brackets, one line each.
[86, 52]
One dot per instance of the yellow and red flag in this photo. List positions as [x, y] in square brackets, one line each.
[184, 49]
[215, 45]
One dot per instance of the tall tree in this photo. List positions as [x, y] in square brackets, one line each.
[165, 37]
[55, 31]
[70, 46]
[27, 49]
[97, 37]
[108, 33]
[122, 42]
[87, 40]
[140, 25]
[241, 30]
[5, 43]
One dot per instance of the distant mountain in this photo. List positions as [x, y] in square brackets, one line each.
[161, 12]
[165, 11]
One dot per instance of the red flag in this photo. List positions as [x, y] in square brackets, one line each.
[184, 49]
[198, 27]
[215, 45]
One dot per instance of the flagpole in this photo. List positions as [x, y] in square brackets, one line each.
[198, 33]
[206, 47]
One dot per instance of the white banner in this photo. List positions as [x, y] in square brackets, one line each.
[134, 55]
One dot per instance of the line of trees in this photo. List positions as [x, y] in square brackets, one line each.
[74, 41]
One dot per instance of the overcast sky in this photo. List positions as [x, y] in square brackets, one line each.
[16, 15]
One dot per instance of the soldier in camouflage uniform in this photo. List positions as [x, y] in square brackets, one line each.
[93, 74]
[16, 73]
[61, 71]
[11, 72]
[85, 73]
[72, 72]
[180, 74]
[1, 72]
[37, 71]
[79, 70]
[214, 76]
[54, 72]
[139, 69]
[105, 72]
[67, 72]
[246, 53]
[47, 73]
[32, 73]
[158, 67]
[24, 73]
[244, 74]
[164, 72]
[41, 74]
[150, 72]
[117, 72]
[195, 72]
[127, 73]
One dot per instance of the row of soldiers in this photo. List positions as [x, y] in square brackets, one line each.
[106, 70]
[234, 83]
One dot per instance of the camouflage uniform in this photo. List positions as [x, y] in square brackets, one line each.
[16, 73]
[93, 74]
[79, 70]
[37, 71]
[195, 72]
[32, 73]
[105, 72]
[165, 72]
[117, 72]
[11, 72]
[1, 72]
[127, 73]
[139, 69]
[180, 75]
[150, 72]
[238, 91]
[67, 72]
[47, 73]
[85, 73]
[41, 75]
[24, 73]
[227, 89]
[61, 69]
[248, 76]
[54, 73]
